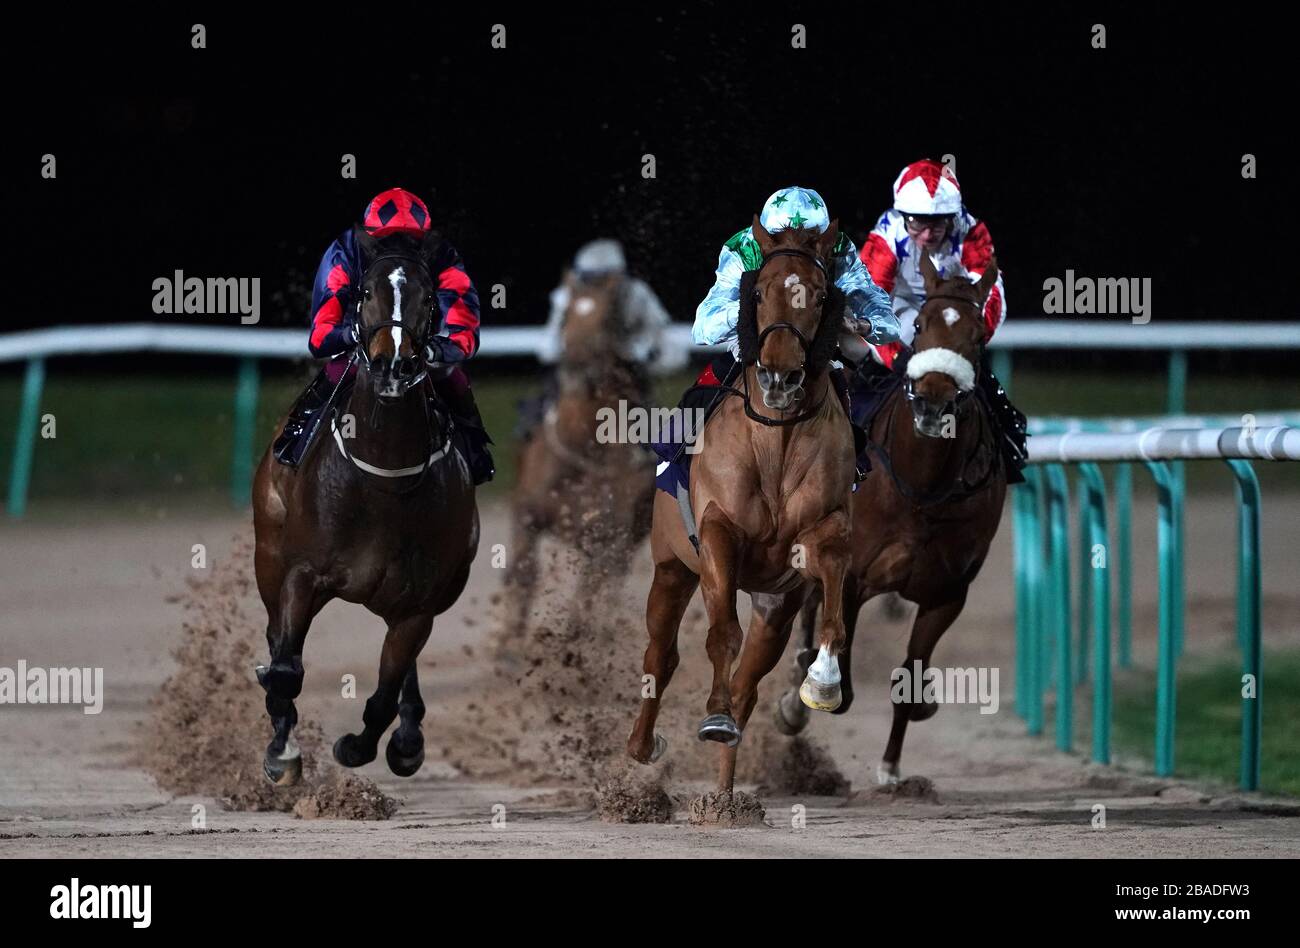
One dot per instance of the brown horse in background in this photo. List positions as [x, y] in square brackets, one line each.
[380, 512]
[926, 514]
[595, 497]
[771, 486]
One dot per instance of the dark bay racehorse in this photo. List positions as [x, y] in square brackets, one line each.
[381, 512]
[926, 514]
[770, 488]
[596, 497]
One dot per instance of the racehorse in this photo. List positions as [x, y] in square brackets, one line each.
[771, 482]
[596, 497]
[924, 517]
[382, 514]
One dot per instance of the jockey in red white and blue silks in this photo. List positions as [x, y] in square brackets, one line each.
[928, 209]
[392, 212]
[929, 216]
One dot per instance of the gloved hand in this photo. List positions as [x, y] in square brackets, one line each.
[442, 350]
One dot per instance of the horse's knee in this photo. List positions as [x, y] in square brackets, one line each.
[282, 679]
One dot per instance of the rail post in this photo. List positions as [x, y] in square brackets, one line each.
[1058, 506]
[1124, 560]
[1031, 534]
[29, 417]
[1248, 620]
[1166, 661]
[245, 421]
[1094, 527]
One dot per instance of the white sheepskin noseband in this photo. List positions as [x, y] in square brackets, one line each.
[945, 361]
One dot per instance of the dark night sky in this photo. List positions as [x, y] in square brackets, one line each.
[224, 161]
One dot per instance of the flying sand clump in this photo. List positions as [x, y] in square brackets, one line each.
[208, 723]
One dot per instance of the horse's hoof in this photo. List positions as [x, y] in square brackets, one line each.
[721, 728]
[789, 714]
[661, 745]
[402, 766]
[820, 696]
[282, 772]
[887, 774]
[923, 711]
[349, 752]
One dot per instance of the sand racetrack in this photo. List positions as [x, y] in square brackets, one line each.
[108, 593]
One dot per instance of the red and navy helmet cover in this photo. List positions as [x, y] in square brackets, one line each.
[396, 211]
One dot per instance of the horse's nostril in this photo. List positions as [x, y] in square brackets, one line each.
[794, 379]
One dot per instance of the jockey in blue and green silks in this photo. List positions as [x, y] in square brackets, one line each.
[870, 306]
[868, 311]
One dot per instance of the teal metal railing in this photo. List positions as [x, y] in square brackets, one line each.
[1040, 519]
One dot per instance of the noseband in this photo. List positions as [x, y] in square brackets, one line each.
[909, 383]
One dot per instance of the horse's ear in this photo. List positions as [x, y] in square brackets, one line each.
[988, 279]
[928, 272]
[765, 240]
[826, 242]
[369, 245]
[429, 244]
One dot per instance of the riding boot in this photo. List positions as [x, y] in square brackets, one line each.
[292, 444]
[468, 432]
[1010, 422]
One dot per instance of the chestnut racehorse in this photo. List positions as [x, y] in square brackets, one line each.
[596, 497]
[926, 514]
[380, 512]
[771, 487]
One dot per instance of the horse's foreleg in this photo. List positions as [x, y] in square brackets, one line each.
[286, 631]
[720, 544]
[769, 630]
[790, 714]
[401, 647]
[932, 620]
[405, 751]
[826, 552]
[853, 603]
[670, 593]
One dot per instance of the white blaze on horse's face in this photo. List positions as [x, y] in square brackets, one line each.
[950, 315]
[397, 278]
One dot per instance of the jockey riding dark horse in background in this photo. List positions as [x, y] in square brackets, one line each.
[334, 306]
[644, 347]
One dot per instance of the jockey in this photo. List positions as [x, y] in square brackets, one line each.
[644, 346]
[717, 315]
[928, 214]
[333, 308]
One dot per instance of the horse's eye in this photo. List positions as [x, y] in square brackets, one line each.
[367, 293]
[758, 297]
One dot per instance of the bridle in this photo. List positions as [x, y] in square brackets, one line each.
[805, 344]
[364, 334]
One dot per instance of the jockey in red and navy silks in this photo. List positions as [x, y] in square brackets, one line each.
[333, 312]
[393, 212]
[928, 211]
